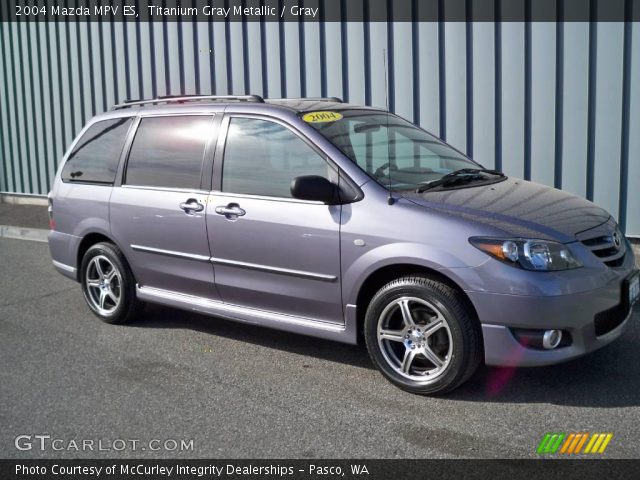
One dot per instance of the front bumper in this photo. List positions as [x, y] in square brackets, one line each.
[573, 313]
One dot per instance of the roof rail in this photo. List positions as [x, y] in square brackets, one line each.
[317, 99]
[189, 98]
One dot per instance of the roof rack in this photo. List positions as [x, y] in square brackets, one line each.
[317, 99]
[189, 98]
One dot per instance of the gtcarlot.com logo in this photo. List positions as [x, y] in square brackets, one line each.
[574, 443]
[48, 443]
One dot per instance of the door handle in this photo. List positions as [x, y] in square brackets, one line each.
[191, 206]
[232, 210]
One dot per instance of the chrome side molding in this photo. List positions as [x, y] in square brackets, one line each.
[306, 326]
[65, 267]
[171, 253]
[233, 263]
[267, 268]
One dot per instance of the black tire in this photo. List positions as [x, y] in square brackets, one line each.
[122, 284]
[458, 344]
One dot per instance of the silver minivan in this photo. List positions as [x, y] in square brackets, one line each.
[338, 221]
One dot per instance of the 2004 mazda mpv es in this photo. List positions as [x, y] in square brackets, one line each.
[337, 221]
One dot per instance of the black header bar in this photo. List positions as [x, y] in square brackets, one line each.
[321, 10]
[361, 469]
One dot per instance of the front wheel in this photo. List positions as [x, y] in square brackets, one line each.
[108, 284]
[421, 335]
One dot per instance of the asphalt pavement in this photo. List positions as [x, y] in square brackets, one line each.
[239, 391]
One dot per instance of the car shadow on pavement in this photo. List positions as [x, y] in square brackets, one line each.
[166, 317]
[607, 378]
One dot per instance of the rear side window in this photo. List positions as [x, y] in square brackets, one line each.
[95, 157]
[263, 157]
[169, 151]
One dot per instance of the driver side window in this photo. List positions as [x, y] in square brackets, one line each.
[263, 157]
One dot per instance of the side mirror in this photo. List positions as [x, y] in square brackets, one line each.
[314, 188]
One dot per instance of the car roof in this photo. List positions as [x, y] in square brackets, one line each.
[244, 103]
[297, 105]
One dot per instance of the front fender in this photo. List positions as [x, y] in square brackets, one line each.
[356, 273]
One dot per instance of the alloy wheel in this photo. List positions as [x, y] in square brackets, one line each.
[104, 285]
[415, 339]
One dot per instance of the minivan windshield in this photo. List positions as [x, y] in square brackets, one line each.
[396, 153]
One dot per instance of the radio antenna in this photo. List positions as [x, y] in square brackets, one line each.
[390, 200]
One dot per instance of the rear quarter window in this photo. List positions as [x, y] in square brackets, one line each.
[95, 157]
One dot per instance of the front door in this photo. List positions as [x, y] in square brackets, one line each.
[271, 251]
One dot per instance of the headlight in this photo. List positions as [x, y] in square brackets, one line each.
[539, 255]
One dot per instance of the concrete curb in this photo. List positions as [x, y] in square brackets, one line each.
[24, 199]
[20, 233]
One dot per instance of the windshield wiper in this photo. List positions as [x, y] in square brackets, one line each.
[457, 177]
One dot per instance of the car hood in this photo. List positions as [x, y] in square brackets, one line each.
[518, 208]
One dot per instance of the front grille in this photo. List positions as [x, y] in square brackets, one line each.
[610, 319]
[604, 246]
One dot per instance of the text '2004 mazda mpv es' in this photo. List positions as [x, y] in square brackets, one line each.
[337, 221]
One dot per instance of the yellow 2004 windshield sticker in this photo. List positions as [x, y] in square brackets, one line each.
[321, 117]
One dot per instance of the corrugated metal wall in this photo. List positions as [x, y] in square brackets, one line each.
[555, 103]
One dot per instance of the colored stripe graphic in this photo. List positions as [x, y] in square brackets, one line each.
[581, 443]
[550, 443]
[572, 443]
[543, 443]
[570, 439]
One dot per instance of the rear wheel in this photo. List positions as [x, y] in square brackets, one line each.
[421, 335]
[108, 285]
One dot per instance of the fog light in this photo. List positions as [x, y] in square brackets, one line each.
[551, 339]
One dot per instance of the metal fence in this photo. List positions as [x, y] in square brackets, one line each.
[557, 103]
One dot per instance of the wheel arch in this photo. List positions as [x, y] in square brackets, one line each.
[378, 278]
[88, 241]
